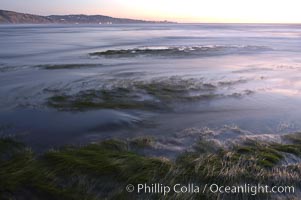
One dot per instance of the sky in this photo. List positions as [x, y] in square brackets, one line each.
[190, 11]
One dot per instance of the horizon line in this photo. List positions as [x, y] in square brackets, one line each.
[150, 20]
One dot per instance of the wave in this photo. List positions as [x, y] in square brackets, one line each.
[179, 51]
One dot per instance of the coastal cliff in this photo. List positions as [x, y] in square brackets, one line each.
[10, 17]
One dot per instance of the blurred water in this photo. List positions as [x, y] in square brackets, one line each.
[256, 70]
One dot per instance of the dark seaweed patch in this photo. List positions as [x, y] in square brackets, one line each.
[180, 51]
[66, 66]
[157, 94]
[152, 95]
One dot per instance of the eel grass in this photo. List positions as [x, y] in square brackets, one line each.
[102, 170]
[161, 95]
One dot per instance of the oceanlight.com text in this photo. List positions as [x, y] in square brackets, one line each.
[253, 190]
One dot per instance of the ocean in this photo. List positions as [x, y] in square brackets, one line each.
[76, 84]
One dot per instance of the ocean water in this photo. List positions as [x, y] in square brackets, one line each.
[173, 82]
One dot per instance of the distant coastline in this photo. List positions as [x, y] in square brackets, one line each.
[11, 17]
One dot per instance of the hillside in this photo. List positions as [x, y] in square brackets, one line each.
[10, 17]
